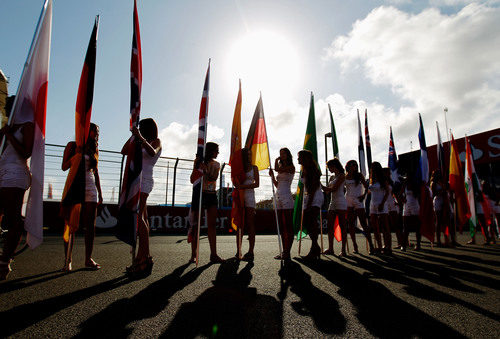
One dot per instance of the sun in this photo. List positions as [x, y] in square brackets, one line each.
[264, 61]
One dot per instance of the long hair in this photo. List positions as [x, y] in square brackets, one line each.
[335, 162]
[210, 149]
[289, 158]
[311, 171]
[92, 145]
[356, 175]
[148, 129]
[244, 159]
[377, 174]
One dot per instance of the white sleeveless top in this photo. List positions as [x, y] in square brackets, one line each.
[390, 202]
[249, 192]
[284, 199]
[90, 186]
[338, 200]
[411, 206]
[352, 194]
[14, 171]
[148, 162]
[378, 193]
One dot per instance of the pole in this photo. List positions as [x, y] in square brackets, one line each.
[326, 160]
[301, 223]
[166, 185]
[321, 227]
[220, 184]
[173, 184]
[446, 123]
[121, 178]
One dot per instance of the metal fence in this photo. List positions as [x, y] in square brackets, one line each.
[171, 176]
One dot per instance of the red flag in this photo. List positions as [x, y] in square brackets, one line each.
[337, 232]
[457, 185]
[30, 105]
[131, 186]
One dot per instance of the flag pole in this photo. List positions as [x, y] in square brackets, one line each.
[274, 196]
[301, 222]
[201, 183]
[321, 227]
[28, 61]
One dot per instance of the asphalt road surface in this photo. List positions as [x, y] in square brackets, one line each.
[438, 292]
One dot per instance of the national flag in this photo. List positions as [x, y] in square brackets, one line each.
[440, 154]
[74, 189]
[361, 149]
[257, 138]
[473, 188]
[310, 144]
[367, 142]
[131, 187]
[335, 144]
[237, 171]
[457, 185]
[337, 231]
[30, 105]
[393, 159]
[427, 218]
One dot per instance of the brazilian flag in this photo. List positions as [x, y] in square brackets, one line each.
[310, 144]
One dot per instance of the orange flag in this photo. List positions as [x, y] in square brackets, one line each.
[237, 172]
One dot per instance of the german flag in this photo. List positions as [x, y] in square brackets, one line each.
[74, 189]
[257, 138]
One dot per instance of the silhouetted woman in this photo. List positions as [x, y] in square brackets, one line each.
[313, 199]
[15, 179]
[378, 209]
[338, 205]
[147, 135]
[354, 183]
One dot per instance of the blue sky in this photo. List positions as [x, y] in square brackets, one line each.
[395, 58]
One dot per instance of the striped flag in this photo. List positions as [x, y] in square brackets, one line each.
[426, 207]
[30, 105]
[361, 149]
[202, 129]
[393, 159]
[131, 186]
[257, 138]
[367, 142]
[457, 185]
[310, 144]
[440, 153]
[237, 171]
[74, 189]
[335, 144]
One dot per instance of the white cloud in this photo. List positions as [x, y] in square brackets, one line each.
[431, 60]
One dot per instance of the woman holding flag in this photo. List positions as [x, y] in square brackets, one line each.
[378, 209]
[15, 179]
[313, 199]
[251, 182]
[93, 197]
[354, 183]
[338, 205]
[410, 195]
[210, 168]
[284, 199]
[147, 136]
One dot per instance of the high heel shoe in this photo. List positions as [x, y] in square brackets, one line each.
[5, 269]
[140, 269]
[313, 254]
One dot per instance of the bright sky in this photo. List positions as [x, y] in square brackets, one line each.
[394, 58]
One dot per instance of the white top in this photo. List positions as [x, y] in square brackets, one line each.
[249, 192]
[353, 192]
[10, 158]
[148, 162]
[411, 206]
[284, 180]
[378, 192]
[337, 198]
[317, 198]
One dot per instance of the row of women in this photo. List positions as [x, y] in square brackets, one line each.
[347, 189]
[15, 179]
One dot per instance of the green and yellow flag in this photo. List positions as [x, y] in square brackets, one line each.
[310, 144]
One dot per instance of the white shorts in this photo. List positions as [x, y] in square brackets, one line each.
[317, 199]
[338, 205]
[354, 203]
[91, 194]
[284, 201]
[250, 198]
[15, 177]
[409, 210]
[374, 209]
[147, 185]
[437, 203]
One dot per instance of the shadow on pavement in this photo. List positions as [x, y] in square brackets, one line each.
[229, 309]
[378, 309]
[21, 317]
[114, 319]
[314, 303]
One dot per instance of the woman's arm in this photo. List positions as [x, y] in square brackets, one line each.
[98, 184]
[386, 195]
[271, 174]
[125, 147]
[69, 152]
